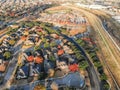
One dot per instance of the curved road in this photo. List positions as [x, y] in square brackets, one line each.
[94, 78]
[109, 49]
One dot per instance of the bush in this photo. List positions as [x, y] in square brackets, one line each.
[105, 85]
[100, 70]
[7, 55]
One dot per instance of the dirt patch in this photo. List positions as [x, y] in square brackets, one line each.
[76, 31]
[56, 8]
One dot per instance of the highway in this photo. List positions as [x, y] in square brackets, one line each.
[109, 49]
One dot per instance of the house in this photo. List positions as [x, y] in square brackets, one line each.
[56, 56]
[29, 42]
[23, 38]
[68, 57]
[13, 35]
[8, 38]
[60, 52]
[55, 36]
[58, 73]
[73, 67]
[28, 53]
[58, 41]
[35, 69]
[77, 81]
[38, 59]
[1, 60]
[59, 47]
[71, 80]
[62, 65]
[45, 56]
[23, 72]
[78, 35]
[2, 67]
[1, 51]
[48, 52]
[4, 44]
[38, 52]
[48, 64]
[67, 49]
[30, 58]
[54, 49]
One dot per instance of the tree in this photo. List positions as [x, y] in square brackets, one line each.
[39, 87]
[40, 33]
[37, 48]
[36, 23]
[93, 54]
[52, 58]
[43, 39]
[83, 65]
[53, 44]
[12, 42]
[7, 55]
[79, 41]
[97, 64]
[46, 45]
[106, 86]
[103, 77]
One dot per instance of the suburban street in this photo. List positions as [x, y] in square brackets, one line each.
[11, 67]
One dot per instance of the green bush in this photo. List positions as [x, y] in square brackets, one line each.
[46, 45]
[103, 77]
[106, 86]
[53, 44]
[93, 54]
[83, 64]
[52, 58]
[37, 48]
[7, 55]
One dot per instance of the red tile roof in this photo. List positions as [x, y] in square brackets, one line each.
[59, 47]
[3, 67]
[38, 59]
[30, 58]
[23, 38]
[60, 52]
[73, 67]
[57, 36]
